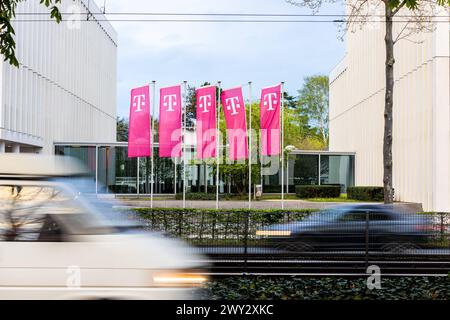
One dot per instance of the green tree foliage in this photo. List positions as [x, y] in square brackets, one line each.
[7, 33]
[313, 103]
[237, 175]
[122, 129]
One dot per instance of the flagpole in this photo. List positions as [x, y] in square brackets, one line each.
[152, 117]
[250, 147]
[175, 177]
[174, 170]
[184, 144]
[137, 178]
[282, 145]
[217, 145]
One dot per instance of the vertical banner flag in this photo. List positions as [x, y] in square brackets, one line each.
[270, 120]
[170, 122]
[139, 128]
[235, 118]
[206, 122]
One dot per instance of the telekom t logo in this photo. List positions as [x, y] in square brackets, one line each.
[170, 101]
[270, 100]
[139, 102]
[233, 104]
[205, 102]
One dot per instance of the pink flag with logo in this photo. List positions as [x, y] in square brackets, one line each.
[270, 120]
[139, 130]
[170, 122]
[235, 118]
[206, 122]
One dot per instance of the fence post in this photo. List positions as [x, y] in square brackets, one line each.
[247, 218]
[367, 240]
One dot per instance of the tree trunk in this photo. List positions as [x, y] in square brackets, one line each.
[388, 106]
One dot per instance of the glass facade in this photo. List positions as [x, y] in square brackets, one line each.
[114, 173]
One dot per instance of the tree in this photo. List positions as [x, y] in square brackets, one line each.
[7, 33]
[191, 100]
[313, 102]
[419, 18]
[122, 130]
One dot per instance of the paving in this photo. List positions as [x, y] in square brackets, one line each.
[261, 204]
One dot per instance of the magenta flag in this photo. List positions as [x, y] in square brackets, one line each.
[235, 118]
[139, 130]
[270, 120]
[206, 122]
[170, 122]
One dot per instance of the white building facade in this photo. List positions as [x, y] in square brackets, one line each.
[65, 87]
[421, 136]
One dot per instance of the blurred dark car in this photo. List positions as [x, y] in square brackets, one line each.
[350, 228]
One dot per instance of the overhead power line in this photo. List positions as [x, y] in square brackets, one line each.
[224, 20]
[231, 14]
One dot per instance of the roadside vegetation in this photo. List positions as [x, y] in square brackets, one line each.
[229, 227]
[329, 288]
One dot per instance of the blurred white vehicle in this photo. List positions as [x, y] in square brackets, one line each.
[55, 245]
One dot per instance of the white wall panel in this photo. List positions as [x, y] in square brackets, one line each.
[65, 88]
[421, 147]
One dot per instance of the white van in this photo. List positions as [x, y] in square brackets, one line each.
[55, 245]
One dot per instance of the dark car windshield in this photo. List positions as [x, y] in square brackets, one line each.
[325, 215]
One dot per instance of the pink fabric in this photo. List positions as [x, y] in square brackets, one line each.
[139, 128]
[235, 118]
[170, 122]
[206, 122]
[270, 120]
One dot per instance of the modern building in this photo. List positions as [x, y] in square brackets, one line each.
[112, 172]
[421, 136]
[65, 87]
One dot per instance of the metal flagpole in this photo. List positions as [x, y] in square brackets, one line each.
[175, 177]
[217, 145]
[152, 179]
[282, 145]
[250, 146]
[137, 177]
[184, 144]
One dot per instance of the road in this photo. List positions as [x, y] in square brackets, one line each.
[231, 204]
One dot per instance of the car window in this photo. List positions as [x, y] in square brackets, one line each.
[380, 216]
[27, 213]
[25, 208]
[353, 216]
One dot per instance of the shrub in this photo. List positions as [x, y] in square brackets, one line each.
[365, 193]
[324, 191]
[201, 189]
[213, 227]
[326, 288]
[201, 196]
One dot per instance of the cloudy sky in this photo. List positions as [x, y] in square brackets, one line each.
[235, 53]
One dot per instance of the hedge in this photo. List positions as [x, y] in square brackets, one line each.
[324, 191]
[201, 196]
[326, 288]
[201, 189]
[200, 226]
[365, 193]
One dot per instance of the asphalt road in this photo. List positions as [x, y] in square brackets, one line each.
[263, 204]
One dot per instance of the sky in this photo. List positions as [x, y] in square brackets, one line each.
[233, 53]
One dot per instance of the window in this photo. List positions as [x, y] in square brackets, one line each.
[380, 216]
[27, 213]
[354, 216]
